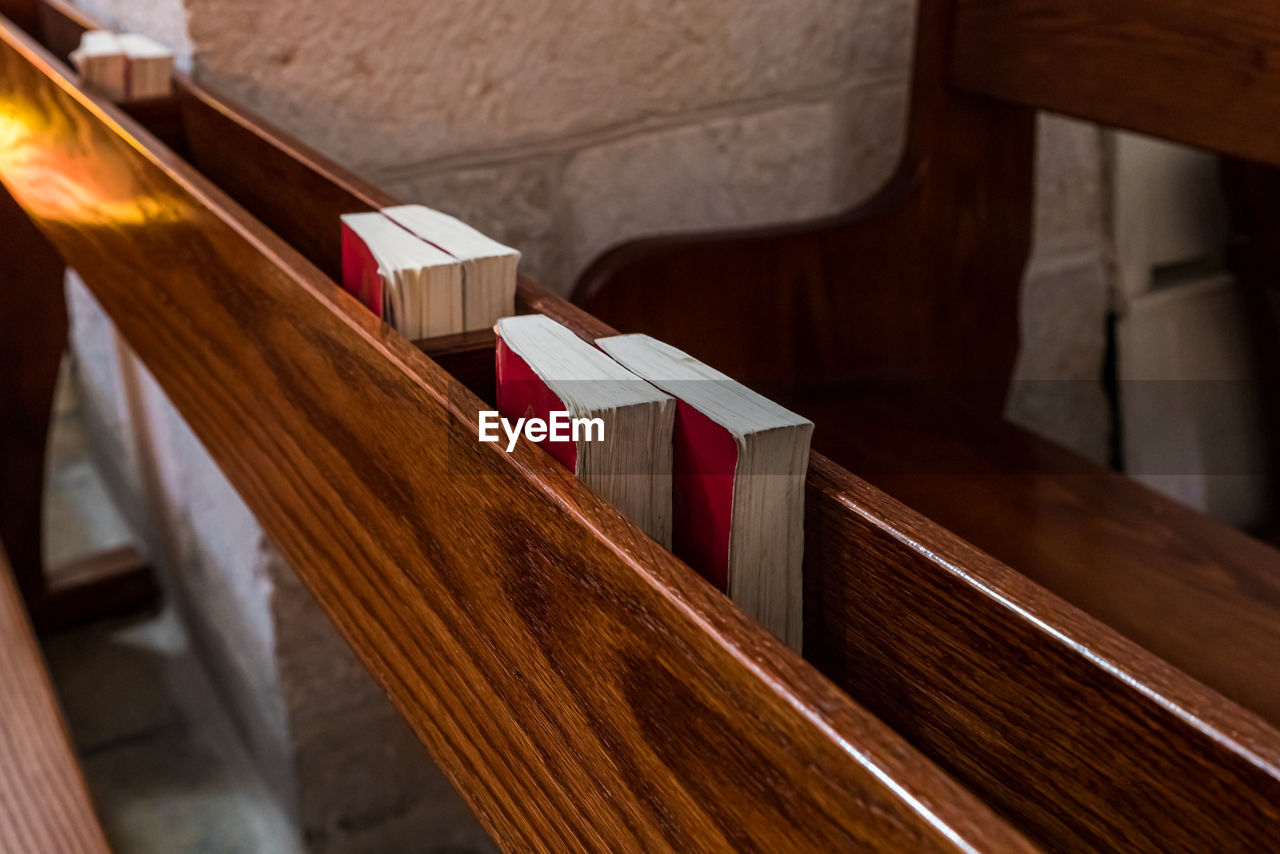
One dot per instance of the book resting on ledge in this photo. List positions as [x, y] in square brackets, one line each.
[426, 273]
[124, 66]
[543, 368]
[701, 463]
[740, 462]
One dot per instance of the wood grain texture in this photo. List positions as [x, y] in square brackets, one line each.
[1092, 742]
[1198, 593]
[1205, 74]
[1062, 806]
[33, 338]
[919, 282]
[61, 25]
[276, 177]
[1053, 718]
[1179, 583]
[580, 686]
[44, 804]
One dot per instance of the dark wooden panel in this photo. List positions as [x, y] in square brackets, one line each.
[278, 179]
[24, 13]
[468, 358]
[61, 25]
[1092, 743]
[102, 584]
[1252, 192]
[44, 805]
[1198, 593]
[582, 688]
[1201, 73]
[921, 282]
[33, 336]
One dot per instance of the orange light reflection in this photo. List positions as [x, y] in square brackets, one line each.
[53, 182]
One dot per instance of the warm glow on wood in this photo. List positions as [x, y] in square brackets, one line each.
[68, 186]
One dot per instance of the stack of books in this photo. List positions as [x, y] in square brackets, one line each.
[702, 464]
[124, 67]
[698, 461]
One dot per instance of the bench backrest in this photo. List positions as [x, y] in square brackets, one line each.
[1206, 74]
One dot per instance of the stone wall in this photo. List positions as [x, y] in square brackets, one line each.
[566, 127]
[561, 128]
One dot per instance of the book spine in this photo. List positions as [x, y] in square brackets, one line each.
[705, 459]
[523, 394]
[360, 276]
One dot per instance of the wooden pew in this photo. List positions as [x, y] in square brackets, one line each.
[44, 805]
[483, 639]
[579, 685]
[894, 326]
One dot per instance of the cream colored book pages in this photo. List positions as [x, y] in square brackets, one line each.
[631, 467]
[150, 66]
[766, 533]
[422, 285]
[489, 268]
[102, 64]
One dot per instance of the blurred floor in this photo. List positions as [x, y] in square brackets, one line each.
[79, 517]
[167, 770]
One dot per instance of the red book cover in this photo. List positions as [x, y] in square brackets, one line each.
[360, 276]
[706, 456]
[523, 394]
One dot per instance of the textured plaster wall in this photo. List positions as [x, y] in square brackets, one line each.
[566, 127]
[561, 127]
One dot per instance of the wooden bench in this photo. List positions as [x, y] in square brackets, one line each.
[581, 687]
[895, 326]
[44, 805]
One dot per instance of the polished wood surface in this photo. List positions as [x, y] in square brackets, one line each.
[1052, 717]
[1200, 73]
[579, 685]
[919, 282]
[1200, 594]
[1092, 742]
[250, 160]
[44, 804]
[985, 670]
